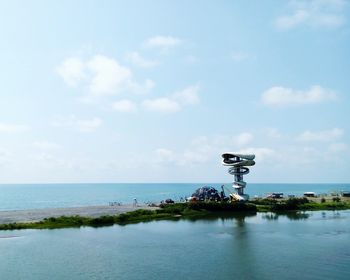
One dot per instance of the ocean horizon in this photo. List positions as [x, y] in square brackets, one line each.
[39, 196]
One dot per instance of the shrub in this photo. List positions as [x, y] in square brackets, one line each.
[290, 204]
[104, 220]
[223, 206]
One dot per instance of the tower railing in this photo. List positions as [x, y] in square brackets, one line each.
[237, 164]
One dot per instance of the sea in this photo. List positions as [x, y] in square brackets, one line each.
[303, 245]
[38, 196]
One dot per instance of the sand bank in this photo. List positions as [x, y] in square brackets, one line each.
[34, 215]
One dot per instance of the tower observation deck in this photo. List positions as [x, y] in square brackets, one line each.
[237, 164]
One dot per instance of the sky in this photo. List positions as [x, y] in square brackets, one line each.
[156, 91]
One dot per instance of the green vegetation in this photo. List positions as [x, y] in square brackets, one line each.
[298, 204]
[168, 211]
[196, 210]
[210, 207]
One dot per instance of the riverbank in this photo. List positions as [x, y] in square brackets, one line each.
[96, 216]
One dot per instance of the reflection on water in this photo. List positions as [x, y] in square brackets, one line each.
[307, 245]
[293, 216]
[8, 236]
[238, 217]
[330, 215]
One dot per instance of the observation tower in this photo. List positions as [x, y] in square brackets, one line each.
[237, 164]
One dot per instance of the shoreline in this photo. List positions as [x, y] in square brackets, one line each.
[36, 215]
[97, 216]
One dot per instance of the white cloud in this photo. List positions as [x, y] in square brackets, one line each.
[72, 70]
[287, 22]
[143, 88]
[124, 106]
[138, 60]
[187, 96]
[204, 150]
[281, 96]
[338, 147]
[163, 42]
[191, 157]
[322, 136]
[163, 104]
[174, 102]
[314, 13]
[184, 158]
[46, 145]
[243, 138]
[164, 156]
[73, 122]
[102, 76]
[273, 133]
[13, 128]
[5, 158]
[260, 153]
[199, 152]
[109, 77]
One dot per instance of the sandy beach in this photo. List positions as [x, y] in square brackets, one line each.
[34, 215]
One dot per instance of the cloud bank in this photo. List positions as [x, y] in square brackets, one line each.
[280, 96]
[314, 13]
[101, 76]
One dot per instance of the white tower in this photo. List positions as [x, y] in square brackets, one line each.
[238, 167]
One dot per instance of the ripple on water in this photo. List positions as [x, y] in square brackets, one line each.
[221, 235]
[8, 236]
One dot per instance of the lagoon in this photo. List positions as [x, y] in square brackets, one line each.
[311, 245]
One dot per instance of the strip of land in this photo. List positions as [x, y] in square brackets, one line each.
[36, 215]
[97, 216]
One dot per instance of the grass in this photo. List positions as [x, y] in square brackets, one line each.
[197, 210]
[169, 211]
[297, 204]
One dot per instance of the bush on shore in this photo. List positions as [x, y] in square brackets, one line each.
[190, 210]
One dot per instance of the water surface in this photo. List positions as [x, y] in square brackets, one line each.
[312, 245]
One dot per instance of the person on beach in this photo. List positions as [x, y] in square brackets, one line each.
[135, 203]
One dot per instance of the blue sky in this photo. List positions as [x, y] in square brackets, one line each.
[155, 91]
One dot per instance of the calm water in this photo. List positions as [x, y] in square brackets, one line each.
[263, 246]
[18, 196]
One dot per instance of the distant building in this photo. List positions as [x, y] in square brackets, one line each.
[345, 194]
[309, 194]
[275, 195]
